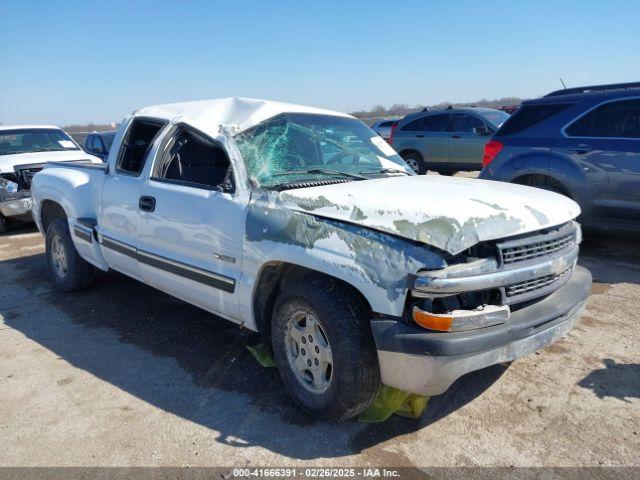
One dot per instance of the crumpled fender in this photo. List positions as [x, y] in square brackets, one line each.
[377, 264]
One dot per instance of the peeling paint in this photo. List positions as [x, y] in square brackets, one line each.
[377, 257]
[357, 214]
[311, 204]
[492, 205]
[542, 218]
[445, 213]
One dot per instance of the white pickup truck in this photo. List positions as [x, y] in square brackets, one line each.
[304, 225]
[24, 149]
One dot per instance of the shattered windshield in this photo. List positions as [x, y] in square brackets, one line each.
[27, 140]
[298, 147]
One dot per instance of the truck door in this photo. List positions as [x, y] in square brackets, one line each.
[190, 239]
[118, 221]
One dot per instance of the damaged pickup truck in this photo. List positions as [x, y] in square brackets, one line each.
[304, 225]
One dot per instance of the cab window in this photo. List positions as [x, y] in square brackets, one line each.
[136, 145]
[194, 160]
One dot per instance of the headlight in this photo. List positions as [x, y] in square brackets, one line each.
[462, 320]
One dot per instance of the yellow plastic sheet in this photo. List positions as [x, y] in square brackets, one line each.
[263, 354]
[391, 400]
[388, 402]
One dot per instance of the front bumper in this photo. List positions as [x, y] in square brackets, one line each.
[428, 363]
[16, 205]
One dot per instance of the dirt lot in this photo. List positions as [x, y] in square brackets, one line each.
[121, 374]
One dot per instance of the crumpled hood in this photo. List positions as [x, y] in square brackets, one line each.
[8, 162]
[449, 213]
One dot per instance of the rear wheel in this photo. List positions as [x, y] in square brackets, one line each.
[324, 349]
[68, 270]
[415, 161]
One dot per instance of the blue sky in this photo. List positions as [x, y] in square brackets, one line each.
[74, 61]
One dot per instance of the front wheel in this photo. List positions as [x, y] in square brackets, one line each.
[68, 270]
[324, 349]
[415, 161]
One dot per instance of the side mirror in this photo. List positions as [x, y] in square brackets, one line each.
[482, 131]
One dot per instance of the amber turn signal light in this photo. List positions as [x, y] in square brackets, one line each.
[432, 321]
[461, 320]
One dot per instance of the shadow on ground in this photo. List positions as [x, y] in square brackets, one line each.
[617, 380]
[18, 227]
[612, 258]
[192, 364]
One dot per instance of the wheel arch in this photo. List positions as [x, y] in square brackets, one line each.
[273, 278]
[49, 211]
[410, 150]
[536, 179]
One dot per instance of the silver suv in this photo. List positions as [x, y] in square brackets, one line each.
[446, 140]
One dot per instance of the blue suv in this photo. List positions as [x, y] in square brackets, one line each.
[581, 142]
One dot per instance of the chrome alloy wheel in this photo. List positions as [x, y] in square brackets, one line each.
[59, 257]
[413, 163]
[308, 351]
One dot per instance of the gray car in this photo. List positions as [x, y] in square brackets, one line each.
[447, 140]
[384, 127]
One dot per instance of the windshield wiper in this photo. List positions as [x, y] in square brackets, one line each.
[321, 171]
[386, 170]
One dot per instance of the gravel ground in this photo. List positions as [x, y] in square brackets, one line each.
[123, 375]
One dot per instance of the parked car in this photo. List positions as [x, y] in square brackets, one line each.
[383, 127]
[99, 143]
[23, 151]
[581, 142]
[510, 109]
[357, 271]
[446, 140]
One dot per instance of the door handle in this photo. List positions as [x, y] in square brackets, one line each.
[455, 136]
[147, 204]
[581, 149]
[420, 136]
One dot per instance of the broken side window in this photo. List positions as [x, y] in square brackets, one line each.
[194, 160]
[137, 143]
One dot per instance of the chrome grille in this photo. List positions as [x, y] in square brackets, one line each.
[535, 247]
[27, 175]
[535, 284]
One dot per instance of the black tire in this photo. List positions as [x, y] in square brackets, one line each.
[415, 161]
[5, 224]
[78, 273]
[355, 380]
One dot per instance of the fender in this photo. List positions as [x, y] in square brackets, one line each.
[375, 263]
[517, 165]
[77, 191]
[571, 176]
